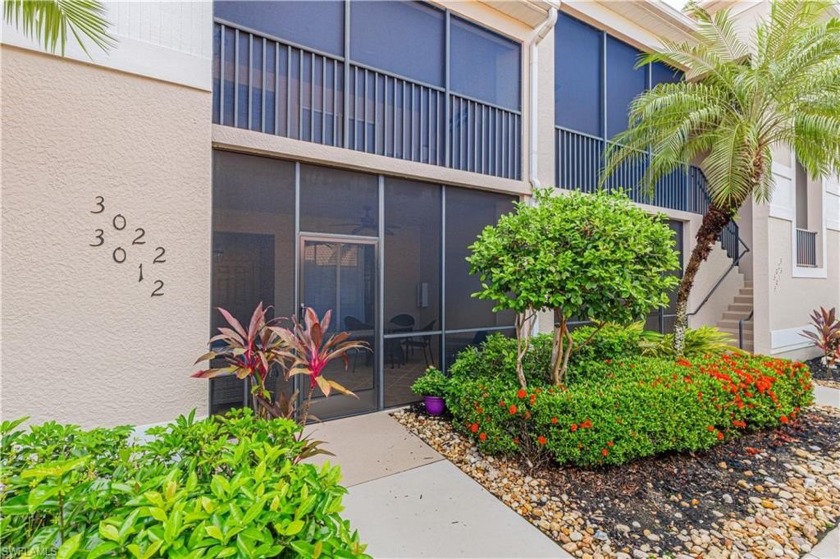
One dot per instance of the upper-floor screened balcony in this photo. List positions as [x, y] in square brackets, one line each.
[400, 79]
[596, 79]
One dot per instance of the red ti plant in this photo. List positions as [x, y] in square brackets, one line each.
[827, 335]
[251, 353]
[248, 353]
[308, 351]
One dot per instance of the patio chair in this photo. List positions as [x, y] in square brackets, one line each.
[424, 343]
[353, 324]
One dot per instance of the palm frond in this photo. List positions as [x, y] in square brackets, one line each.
[50, 22]
[729, 164]
[740, 99]
[783, 28]
[722, 38]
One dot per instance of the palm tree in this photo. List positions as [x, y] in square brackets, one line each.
[739, 100]
[52, 21]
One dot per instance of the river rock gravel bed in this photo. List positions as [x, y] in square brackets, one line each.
[764, 495]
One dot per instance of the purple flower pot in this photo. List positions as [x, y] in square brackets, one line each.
[434, 405]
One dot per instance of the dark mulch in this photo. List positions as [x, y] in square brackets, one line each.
[680, 492]
[820, 372]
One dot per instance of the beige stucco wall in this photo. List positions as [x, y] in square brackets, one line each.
[791, 299]
[82, 339]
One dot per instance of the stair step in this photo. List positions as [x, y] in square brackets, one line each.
[732, 325]
[748, 340]
[736, 316]
[741, 308]
[746, 291]
[734, 334]
[743, 299]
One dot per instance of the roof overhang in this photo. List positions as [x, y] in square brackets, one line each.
[642, 23]
[530, 12]
[655, 17]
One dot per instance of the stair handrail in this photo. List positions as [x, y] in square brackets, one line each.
[741, 328]
[728, 270]
[736, 232]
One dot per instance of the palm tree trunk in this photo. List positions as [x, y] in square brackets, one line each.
[711, 227]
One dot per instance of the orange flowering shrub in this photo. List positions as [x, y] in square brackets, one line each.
[633, 408]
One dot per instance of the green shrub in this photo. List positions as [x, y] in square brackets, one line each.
[698, 342]
[597, 256]
[431, 383]
[495, 358]
[610, 342]
[633, 408]
[221, 487]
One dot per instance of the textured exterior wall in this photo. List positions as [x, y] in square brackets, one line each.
[82, 339]
[791, 299]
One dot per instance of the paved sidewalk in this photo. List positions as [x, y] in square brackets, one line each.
[826, 396]
[829, 547]
[407, 501]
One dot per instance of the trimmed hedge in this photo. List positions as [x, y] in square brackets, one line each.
[628, 409]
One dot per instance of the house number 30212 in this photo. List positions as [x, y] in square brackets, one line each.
[120, 238]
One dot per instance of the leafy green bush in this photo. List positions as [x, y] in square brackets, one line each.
[431, 383]
[495, 358]
[698, 341]
[629, 409]
[610, 342]
[221, 487]
[597, 256]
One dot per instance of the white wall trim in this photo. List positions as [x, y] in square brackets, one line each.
[784, 192]
[788, 339]
[807, 272]
[816, 273]
[831, 203]
[168, 41]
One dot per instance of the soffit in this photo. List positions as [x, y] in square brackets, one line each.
[529, 12]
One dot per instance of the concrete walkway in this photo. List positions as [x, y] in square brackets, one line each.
[407, 501]
[829, 547]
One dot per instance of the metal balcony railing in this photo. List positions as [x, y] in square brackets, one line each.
[395, 117]
[265, 84]
[806, 248]
[485, 138]
[580, 160]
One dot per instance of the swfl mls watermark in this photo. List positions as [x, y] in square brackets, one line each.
[35, 552]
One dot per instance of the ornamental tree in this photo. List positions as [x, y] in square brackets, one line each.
[582, 256]
[741, 98]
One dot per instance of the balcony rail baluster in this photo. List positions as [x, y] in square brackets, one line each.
[300, 93]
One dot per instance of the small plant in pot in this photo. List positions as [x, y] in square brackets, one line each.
[432, 386]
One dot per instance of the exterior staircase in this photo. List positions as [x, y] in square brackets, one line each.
[740, 308]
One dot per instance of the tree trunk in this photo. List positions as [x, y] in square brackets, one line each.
[714, 221]
[523, 343]
[558, 351]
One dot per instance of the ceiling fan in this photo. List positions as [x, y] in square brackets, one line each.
[369, 223]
